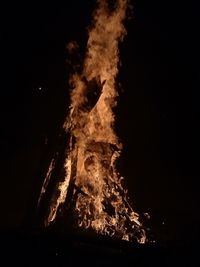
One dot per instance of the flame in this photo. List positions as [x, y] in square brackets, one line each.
[99, 199]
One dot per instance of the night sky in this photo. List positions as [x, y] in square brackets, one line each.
[157, 116]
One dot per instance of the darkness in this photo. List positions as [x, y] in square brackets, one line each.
[157, 116]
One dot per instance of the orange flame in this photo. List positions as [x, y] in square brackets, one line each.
[100, 199]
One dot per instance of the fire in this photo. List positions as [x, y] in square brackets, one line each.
[91, 182]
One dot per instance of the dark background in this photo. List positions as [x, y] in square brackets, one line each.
[157, 115]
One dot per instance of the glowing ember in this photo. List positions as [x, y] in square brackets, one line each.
[91, 181]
